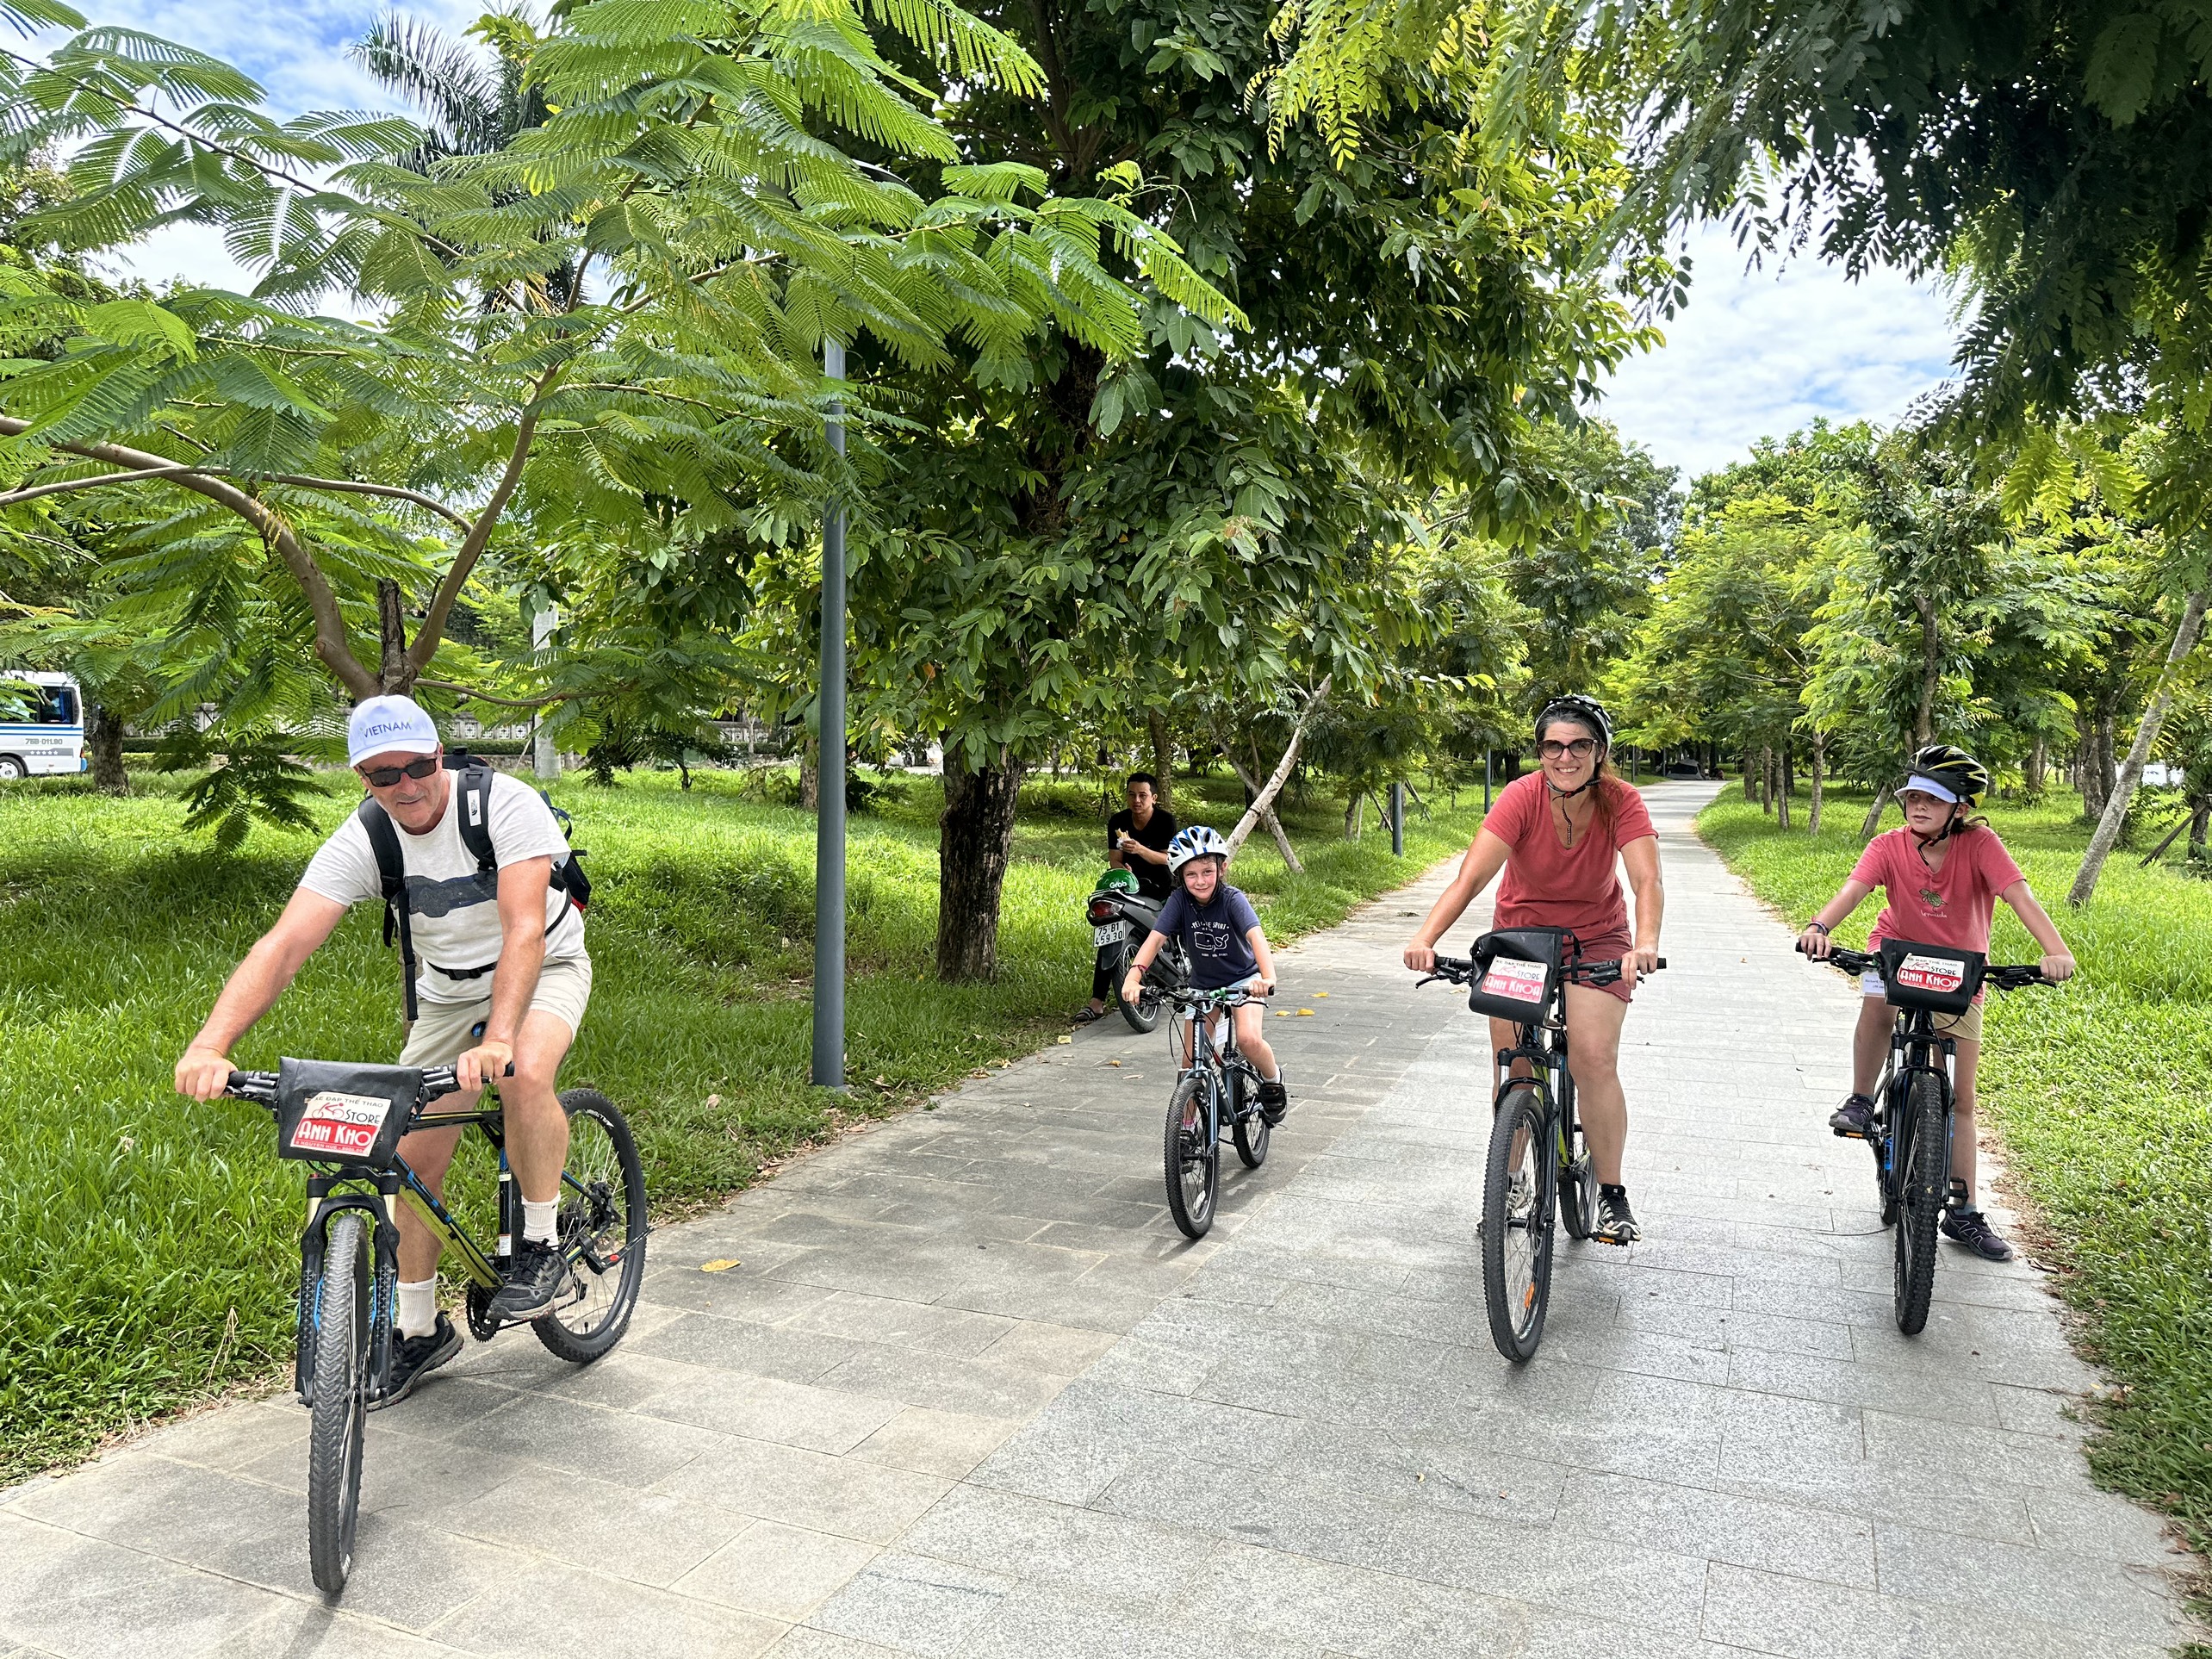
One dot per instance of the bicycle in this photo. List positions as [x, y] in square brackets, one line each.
[1913, 1117]
[1521, 974]
[1219, 1085]
[345, 1122]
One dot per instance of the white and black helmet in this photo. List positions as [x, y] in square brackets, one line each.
[1199, 841]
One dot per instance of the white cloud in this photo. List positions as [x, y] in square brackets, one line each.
[1762, 353]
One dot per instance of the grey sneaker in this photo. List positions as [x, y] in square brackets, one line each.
[1614, 1224]
[416, 1357]
[1854, 1118]
[538, 1281]
[1971, 1228]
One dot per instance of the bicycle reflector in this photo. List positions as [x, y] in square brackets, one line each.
[1942, 978]
[335, 1112]
[1519, 966]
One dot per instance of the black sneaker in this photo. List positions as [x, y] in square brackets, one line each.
[1274, 1103]
[415, 1357]
[537, 1280]
[1614, 1224]
[1854, 1118]
[1971, 1228]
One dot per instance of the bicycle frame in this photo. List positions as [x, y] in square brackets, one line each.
[1216, 1055]
[1915, 1050]
[1542, 1046]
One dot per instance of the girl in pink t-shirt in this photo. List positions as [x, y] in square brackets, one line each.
[1941, 876]
[1556, 834]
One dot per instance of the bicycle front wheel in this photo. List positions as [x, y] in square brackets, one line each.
[1252, 1131]
[1922, 1184]
[602, 1228]
[1518, 1186]
[340, 1322]
[1193, 1155]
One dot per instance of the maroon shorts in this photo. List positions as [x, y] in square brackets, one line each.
[1610, 948]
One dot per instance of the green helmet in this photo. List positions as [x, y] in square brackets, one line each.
[1116, 881]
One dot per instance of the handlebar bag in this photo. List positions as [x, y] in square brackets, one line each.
[337, 1112]
[1519, 969]
[1942, 978]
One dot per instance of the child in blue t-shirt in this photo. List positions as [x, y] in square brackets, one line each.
[1221, 935]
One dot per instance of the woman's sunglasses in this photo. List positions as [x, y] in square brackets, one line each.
[383, 777]
[1579, 748]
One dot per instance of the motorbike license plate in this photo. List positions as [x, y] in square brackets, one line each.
[1110, 933]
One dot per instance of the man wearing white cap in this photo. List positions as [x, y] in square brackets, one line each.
[505, 979]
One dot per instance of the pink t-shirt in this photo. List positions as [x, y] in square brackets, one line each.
[1950, 906]
[1549, 886]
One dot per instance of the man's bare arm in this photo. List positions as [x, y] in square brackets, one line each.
[252, 989]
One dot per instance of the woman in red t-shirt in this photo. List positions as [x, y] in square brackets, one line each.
[1941, 875]
[1555, 834]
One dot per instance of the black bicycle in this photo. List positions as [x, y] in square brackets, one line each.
[1914, 1107]
[345, 1122]
[1537, 1158]
[1219, 1087]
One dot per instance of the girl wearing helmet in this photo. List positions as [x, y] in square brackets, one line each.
[1556, 833]
[1227, 947]
[1941, 875]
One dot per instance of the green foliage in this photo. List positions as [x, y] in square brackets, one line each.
[256, 780]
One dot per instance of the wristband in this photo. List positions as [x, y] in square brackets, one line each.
[1819, 928]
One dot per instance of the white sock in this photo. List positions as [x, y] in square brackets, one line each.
[538, 1220]
[418, 1310]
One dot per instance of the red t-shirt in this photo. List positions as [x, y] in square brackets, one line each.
[1950, 906]
[1549, 886]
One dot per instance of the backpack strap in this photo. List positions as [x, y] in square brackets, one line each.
[392, 878]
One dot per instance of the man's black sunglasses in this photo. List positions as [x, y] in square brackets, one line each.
[383, 777]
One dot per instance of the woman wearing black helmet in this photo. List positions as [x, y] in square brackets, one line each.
[1941, 875]
[1556, 833]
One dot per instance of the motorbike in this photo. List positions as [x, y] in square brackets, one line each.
[1121, 917]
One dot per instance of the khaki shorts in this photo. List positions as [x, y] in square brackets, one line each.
[443, 1032]
[1964, 1027]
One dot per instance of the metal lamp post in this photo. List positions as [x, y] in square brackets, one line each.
[829, 774]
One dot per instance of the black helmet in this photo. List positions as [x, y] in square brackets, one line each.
[1583, 711]
[1953, 771]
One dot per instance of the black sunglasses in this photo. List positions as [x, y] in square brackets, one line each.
[383, 777]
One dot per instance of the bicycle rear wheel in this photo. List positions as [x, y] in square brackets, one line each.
[1518, 1193]
[1922, 1184]
[1252, 1131]
[1193, 1154]
[340, 1320]
[602, 1226]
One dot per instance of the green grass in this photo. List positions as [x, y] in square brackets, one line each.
[2099, 1091]
[149, 1243]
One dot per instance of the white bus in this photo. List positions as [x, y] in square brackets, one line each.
[41, 725]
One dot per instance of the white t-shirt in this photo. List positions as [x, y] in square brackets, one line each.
[454, 917]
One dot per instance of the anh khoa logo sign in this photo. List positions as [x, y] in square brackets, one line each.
[344, 1125]
[1511, 978]
[1940, 974]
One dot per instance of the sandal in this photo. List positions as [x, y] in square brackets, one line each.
[1086, 1014]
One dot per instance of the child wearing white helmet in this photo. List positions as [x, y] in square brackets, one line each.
[1228, 948]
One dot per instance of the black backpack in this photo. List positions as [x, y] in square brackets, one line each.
[474, 790]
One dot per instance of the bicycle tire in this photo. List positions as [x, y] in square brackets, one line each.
[1193, 1160]
[1143, 1016]
[1925, 1182]
[341, 1401]
[1578, 1177]
[602, 1203]
[1885, 1189]
[1517, 1282]
[1251, 1131]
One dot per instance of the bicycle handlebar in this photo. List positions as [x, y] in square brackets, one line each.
[2005, 976]
[1458, 970]
[437, 1081]
[1234, 997]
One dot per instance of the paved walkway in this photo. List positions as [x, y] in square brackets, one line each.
[967, 1392]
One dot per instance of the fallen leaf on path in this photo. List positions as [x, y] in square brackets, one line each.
[1067, 1040]
[1305, 1013]
[1320, 993]
[723, 1265]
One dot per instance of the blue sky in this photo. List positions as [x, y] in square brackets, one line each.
[1753, 354]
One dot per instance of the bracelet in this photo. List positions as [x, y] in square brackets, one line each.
[1818, 927]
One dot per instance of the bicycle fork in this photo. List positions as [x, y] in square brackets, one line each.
[324, 1204]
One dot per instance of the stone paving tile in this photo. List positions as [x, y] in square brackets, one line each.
[966, 1392]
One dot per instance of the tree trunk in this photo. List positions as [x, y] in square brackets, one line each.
[1767, 779]
[1750, 776]
[2107, 770]
[1274, 824]
[2147, 734]
[2087, 778]
[1352, 815]
[975, 836]
[104, 735]
[394, 673]
[1819, 764]
[2038, 758]
[1265, 800]
[1782, 801]
[2200, 819]
[810, 776]
[1873, 819]
[1163, 755]
[1932, 673]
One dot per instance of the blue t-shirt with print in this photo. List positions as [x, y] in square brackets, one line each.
[1214, 934]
